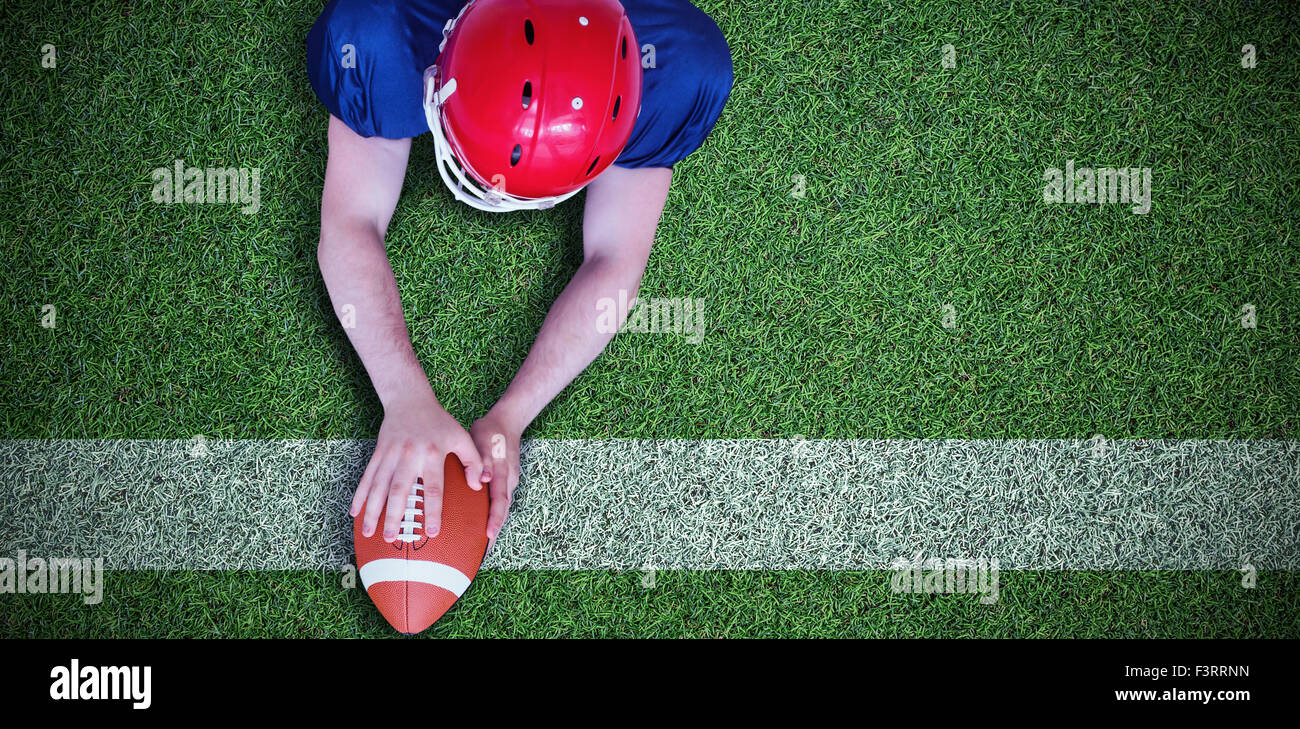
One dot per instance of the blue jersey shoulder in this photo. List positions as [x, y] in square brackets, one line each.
[686, 79]
[366, 59]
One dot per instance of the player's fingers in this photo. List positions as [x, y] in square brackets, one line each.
[485, 457]
[469, 457]
[433, 477]
[367, 480]
[499, 493]
[398, 491]
[378, 497]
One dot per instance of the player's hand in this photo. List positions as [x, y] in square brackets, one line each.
[414, 440]
[497, 439]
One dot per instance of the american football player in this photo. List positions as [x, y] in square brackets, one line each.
[526, 103]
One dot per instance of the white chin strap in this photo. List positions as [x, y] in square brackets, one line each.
[462, 185]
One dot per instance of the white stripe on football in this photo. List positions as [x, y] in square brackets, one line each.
[410, 570]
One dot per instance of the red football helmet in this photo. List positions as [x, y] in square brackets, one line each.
[531, 99]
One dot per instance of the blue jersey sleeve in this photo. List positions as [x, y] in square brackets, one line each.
[686, 79]
[366, 61]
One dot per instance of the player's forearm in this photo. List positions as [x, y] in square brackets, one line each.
[570, 338]
[364, 293]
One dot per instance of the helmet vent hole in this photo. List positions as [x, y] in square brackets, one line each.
[528, 93]
[618, 101]
[515, 155]
[528, 31]
[593, 165]
[625, 46]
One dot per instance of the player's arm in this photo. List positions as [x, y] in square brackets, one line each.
[363, 180]
[618, 229]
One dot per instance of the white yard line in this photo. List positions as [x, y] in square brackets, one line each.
[683, 504]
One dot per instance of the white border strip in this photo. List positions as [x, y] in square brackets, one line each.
[682, 504]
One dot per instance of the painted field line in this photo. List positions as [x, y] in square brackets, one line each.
[683, 504]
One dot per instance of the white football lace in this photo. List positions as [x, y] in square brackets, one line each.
[413, 509]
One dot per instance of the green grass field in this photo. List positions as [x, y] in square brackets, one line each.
[713, 604]
[922, 187]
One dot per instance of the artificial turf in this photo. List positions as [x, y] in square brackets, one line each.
[921, 187]
[716, 604]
